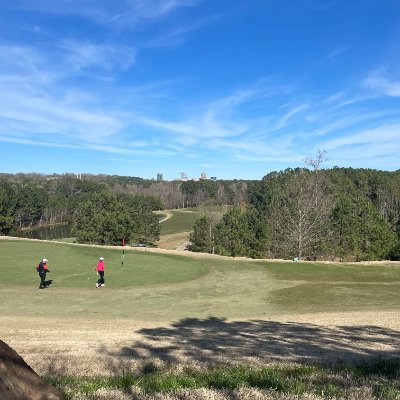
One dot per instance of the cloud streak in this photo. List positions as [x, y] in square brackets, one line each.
[86, 55]
[110, 81]
[121, 14]
[383, 85]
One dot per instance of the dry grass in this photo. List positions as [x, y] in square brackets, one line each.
[90, 347]
[172, 241]
[374, 380]
[356, 393]
[87, 347]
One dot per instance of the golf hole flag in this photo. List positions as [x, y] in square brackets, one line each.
[123, 251]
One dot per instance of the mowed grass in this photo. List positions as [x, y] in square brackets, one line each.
[74, 265]
[160, 287]
[181, 221]
[332, 288]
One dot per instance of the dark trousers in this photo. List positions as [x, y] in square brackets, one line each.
[101, 278]
[42, 280]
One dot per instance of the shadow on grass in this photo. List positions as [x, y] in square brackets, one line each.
[48, 283]
[215, 341]
[218, 353]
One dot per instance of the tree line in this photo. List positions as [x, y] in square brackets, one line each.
[310, 213]
[34, 200]
[97, 215]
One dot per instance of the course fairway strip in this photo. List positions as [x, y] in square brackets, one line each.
[73, 266]
[160, 287]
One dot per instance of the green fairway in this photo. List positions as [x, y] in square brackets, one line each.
[156, 287]
[73, 266]
[181, 221]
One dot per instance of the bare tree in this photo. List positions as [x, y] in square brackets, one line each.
[300, 211]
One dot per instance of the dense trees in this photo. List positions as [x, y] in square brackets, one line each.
[108, 219]
[33, 200]
[339, 213]
[202, 236]
[311, 213]
[7, 207]
[29, 200]
[242, 232]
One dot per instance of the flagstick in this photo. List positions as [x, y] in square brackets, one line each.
[123, 251]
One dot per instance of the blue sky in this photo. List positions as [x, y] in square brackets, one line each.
[234, 88]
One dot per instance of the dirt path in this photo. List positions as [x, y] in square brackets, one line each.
[183, 246]
[168, 214]
[89, 347]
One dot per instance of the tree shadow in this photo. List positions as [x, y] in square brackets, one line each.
[215, 341]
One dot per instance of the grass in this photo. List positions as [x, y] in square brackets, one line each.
[181, 221]
[335, 382]
[159, 287]
[73, 265]
[200, 294]
[173, 241]
[331, 287]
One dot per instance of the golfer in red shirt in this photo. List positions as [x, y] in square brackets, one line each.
[100, 272]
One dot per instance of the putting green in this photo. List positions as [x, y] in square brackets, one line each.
[166, 287]
[73, 266]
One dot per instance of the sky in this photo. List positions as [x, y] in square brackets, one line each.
[232, 88]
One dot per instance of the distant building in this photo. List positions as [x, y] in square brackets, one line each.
[160, 176]
[213, 178]
[203, 176]
[184, 176]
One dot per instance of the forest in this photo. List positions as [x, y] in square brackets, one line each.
[103, 209]
[341, 214]
[309, 213]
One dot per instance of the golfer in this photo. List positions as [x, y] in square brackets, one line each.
[100, 272]
[42, 269]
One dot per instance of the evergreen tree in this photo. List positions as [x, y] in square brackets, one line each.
[376, 239]
[106, 219]
[242, 232]
[345, 228]
[7, 207]
[201, 237]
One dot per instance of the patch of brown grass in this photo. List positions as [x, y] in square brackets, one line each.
[173, 240]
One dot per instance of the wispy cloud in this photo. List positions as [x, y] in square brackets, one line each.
[177, 36]
[336, 53]
[383, 85]
[333, 97]
[291, 132]
[46, 113]
[126, 14]
[381, 135]
[143, 10]
[82, 55]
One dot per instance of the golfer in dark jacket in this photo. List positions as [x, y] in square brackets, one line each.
[42, 269]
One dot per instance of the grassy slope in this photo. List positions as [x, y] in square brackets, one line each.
[181, 221]
[154, 287]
